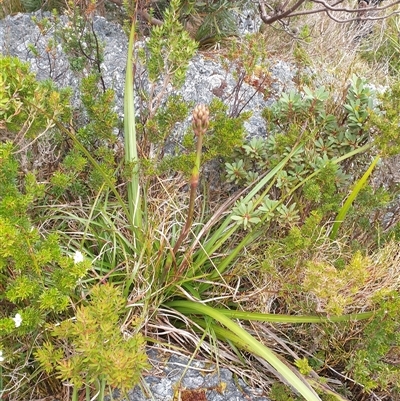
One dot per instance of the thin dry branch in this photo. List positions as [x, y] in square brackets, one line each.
[280, 13]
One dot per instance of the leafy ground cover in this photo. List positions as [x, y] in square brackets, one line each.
[290, 274]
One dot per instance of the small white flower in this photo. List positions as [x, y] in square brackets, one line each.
[1, 356]
[17, 320]
[78, 257]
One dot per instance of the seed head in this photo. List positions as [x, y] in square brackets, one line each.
[200, 119]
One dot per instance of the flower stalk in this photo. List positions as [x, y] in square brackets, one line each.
[200, 124]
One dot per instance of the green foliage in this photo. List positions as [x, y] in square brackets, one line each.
[296, 247]
[280, 392]
[383, 45]
[75, 176]
[10, 7]
[303, 365]
[307, 116]
[247, 59]
[85, 54]
[367, 211]
[374, 363]
[97, 136]
[208, 22]
[166, 56]
[28, 107]
[35, 5]
[97, 349]
[79, 40]
[158, 130]
[344, 284]
[169, 252]
[224, 133]
[36, 277]
[33, 265]
[160, 127]
[301, 56]
[303, 119]
[29, 110]
[386, 119]
[31, 5]
[167, 63]
[245, 214]
[101, 118]
[169, 48]
[183, 163]
[217, 20]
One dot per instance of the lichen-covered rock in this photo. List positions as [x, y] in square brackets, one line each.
[20, 36]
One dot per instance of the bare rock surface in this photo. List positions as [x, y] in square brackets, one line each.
[206, 78]
[178, 378]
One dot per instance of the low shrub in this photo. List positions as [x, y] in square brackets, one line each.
[96, 243]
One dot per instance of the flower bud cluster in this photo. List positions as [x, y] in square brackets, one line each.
[201, 119]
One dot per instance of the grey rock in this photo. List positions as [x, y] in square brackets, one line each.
[283, 75]
[206, 79]
[180, 375]
[248, 18]
[18, 33]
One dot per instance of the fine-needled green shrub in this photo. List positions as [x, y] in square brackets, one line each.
[375, 361]
[23, 100]
[225, 133]
[385, 120]
[91, 349]
[95, 122]
[37, 277]
[78, 38]
[75, 177]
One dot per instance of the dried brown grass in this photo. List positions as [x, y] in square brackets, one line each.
[332, 49]
[10, 7]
